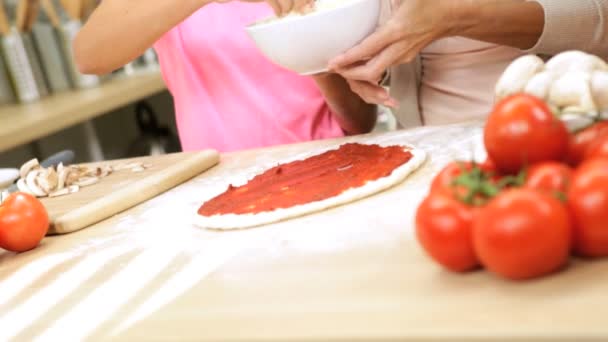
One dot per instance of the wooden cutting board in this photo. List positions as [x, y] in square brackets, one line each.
[124, 189]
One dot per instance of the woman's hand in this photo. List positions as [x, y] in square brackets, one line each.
[372, 93]
[352, 113]
[284, 7]
[417, 23]
[413, 25]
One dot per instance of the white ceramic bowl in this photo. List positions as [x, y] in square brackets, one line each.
[306, 43]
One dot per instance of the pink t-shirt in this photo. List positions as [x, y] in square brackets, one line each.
[227, 95]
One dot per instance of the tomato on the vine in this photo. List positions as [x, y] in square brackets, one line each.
[443, 228]
[447, 176]
[552, 177]
[23, 222]
[522, 233]
[580, 142]
[588, 204]
[598, 148]
[522, 130]
[468, 182]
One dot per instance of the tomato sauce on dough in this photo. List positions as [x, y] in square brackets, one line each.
[313, 179]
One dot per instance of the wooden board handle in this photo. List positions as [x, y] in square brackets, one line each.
[135, 193]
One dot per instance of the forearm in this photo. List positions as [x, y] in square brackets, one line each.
[120, 31]
[353, 114]
[515, 23]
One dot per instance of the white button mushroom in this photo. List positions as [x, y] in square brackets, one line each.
[574, 84]
[575, 61]
[572, 92]
[599, 89]
[516, 76]
[540, 84]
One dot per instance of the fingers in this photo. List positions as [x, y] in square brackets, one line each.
[276, 7]
[372, 70]
[284, 7]
[372, 93]
[303, 6]
[370, 46]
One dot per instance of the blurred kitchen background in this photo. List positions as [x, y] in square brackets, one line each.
[47, 106]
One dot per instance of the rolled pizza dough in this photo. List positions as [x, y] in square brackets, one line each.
[240, 221]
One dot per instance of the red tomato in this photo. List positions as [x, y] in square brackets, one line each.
[23, 222]
[522, 131]
[552, 177]
[448, 174]
[522, 233]
[490, 166]
[443, 228]
[588, 204]
[580, 142]
[598, 148]
[445, 178]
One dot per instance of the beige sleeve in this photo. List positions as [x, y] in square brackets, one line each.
[574, 25]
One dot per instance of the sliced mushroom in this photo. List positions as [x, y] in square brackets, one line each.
[575, 61]
[540, 84]
[572, 93]
[62, 175]
[74, 188]
[138, 169]
[61, 192]
[48, 180]
[52, 178]
[23, 187]
[599, 89]
[86, 181]
[99, 171]
[32, 184]
[120, 167]
[74, 174]
[517, 75]
[105, 171]
[83, 171]
[28, 166]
